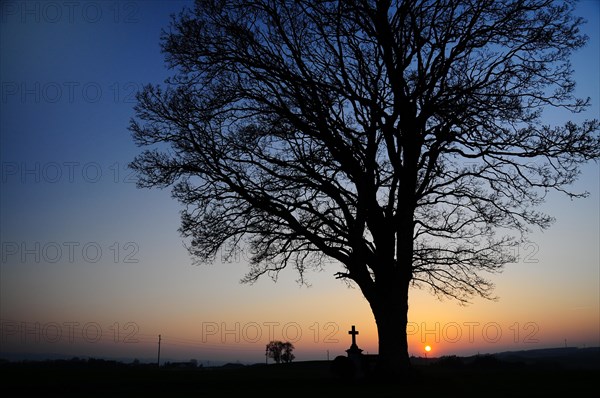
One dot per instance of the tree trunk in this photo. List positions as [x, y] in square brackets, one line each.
[390, 309]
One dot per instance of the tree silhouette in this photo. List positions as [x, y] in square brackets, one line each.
[287, 355]
[402, 140]
[280, 351]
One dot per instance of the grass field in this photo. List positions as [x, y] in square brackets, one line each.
[301, 379]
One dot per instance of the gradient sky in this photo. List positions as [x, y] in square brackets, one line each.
[93, 266]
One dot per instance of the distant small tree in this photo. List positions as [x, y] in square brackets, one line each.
[280, 351]
[286, 352]
[274, 350]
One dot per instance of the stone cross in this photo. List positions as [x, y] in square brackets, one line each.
[353, 332]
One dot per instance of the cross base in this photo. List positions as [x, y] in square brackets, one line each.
[354, 350]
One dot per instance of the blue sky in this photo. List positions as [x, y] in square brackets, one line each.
[82, 246]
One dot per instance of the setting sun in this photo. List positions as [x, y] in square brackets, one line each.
[427, 348]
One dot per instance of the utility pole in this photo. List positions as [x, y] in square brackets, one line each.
[158, 360]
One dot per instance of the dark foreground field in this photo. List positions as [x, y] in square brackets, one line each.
[307, 379]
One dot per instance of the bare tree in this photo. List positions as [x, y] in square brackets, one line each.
[399, 139]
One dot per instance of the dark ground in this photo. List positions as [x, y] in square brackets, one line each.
[485, 376]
